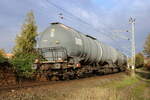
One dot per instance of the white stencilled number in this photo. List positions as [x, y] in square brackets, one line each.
[78, 41]
[52, 32]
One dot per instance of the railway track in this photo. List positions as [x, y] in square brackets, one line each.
[33, 84]
[25, 85]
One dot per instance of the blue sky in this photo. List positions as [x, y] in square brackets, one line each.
[101, 19]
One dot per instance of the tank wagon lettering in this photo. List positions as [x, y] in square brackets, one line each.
[52, 32]
[78, 41]
[45, 40]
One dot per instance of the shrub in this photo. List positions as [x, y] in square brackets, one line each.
[23, 64]
[139, 62]
[147, 66]
[2, 59]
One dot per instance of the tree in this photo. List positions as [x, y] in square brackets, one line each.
[2, 59]
[139, 60]
[24, 50]
[147, 46]
[25, 42]
[2, 52]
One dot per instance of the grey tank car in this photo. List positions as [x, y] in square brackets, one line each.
[66, 48]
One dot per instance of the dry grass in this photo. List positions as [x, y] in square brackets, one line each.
[126, 89]
[95, 94]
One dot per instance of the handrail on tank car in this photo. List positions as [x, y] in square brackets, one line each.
[53, 50]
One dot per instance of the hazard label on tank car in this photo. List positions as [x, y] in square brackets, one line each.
[78, 41]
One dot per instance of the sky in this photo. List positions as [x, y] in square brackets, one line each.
[107, 20]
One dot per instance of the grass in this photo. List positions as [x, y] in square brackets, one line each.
[127, 81]
[128, 88]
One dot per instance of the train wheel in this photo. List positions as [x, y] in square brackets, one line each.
[65, 76]
[41, 77]
[72, 74]
[54, 78]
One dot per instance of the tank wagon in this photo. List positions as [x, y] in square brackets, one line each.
[69, 53]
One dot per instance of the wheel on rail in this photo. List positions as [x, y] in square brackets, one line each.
[54, 78]
[41, 77]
